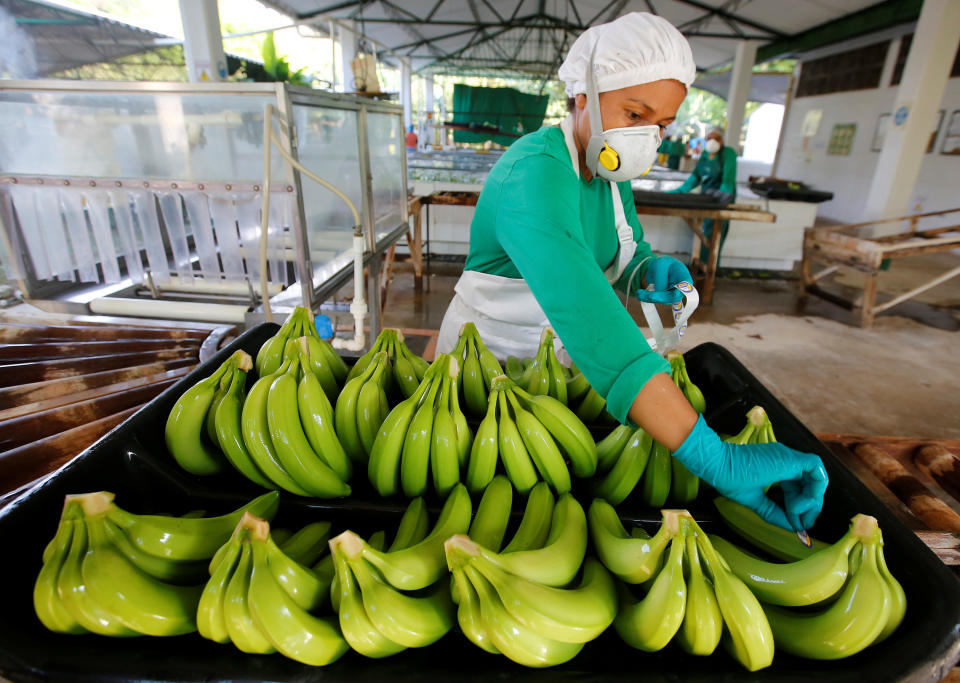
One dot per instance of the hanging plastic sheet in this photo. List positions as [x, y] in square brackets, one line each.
[248, 223]
[198, 211]
[71, 203]
[171, 209]
[10, 246]
[280, 247]
[224, 217]
[25, 208]
[145, 213]
[129, 244]
[98, 210]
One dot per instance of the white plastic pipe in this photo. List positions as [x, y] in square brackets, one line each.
[211, 286]
[170, 310]
[358, 307]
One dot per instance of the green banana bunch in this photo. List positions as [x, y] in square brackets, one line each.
[263, 600]
[478, 367]
[189, 432]
[816, 578]
[324, 361]
[286, 431]
[406, 368]
[534, 435]
[421, 564]
[869, 608]
[628, 457]
[748, 635]
[506, 634]
[584, 400]
[649, 624]
[306, 546]
[773, 540]
[757, 430]
[632, 559]
[110, 572]
[424, 433]
[378, 616]
[362, 407]
[690, 592]
[548, 546]
[622, 460]
[657, 477]
[529, 622]
[546, 375]
[514, 367]
[678, 373]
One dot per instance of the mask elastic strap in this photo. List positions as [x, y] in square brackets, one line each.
[593, 97]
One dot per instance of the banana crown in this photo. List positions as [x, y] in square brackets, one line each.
[112, 572]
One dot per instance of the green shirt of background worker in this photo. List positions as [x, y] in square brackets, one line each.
[672, 149]
[715, 173]
[555, 235]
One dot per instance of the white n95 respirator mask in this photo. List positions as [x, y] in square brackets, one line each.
[617, 154]
[712, 146]
[620, 154]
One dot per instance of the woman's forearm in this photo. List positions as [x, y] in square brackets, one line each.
[663, 411]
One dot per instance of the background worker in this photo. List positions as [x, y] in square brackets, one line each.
[715, 173]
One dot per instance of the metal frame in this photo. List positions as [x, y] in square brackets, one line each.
[286, 97]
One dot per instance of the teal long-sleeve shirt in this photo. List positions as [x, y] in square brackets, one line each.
[537, 220]
[719, 173]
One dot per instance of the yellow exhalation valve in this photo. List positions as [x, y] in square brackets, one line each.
[609, 158]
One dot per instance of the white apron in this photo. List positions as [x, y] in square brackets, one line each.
[506, 313]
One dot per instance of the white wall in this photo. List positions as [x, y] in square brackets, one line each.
[848, 177]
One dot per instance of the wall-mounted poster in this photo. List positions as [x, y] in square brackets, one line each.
[880, 132]
[841, 139]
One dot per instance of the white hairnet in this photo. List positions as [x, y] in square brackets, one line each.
[634, 49]
[717, 130]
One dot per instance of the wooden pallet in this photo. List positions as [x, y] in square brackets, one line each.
[888, 466]
[66, 382]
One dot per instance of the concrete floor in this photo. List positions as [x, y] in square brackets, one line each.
[900, 378]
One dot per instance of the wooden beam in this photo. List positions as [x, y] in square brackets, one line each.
[26, 428]
[919, 246]
[917, 290]
[20, 373]
[77, 397]
[40, 350]
[736, 213]
[879, 221]
[918, 233]
[31, 461]
[12, 333]
[39, 391]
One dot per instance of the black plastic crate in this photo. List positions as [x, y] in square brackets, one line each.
[132, 462]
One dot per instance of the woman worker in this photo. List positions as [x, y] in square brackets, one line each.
[556, 232]
[716, 172]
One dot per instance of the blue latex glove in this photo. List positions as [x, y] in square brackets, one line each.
[742, 472]
[663, 273]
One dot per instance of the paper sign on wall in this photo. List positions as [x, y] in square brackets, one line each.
[811, 122]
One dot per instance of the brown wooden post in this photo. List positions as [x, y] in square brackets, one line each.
[710, 277]
[868, 300]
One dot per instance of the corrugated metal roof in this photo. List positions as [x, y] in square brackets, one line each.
[531, 36]
[64, 38]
